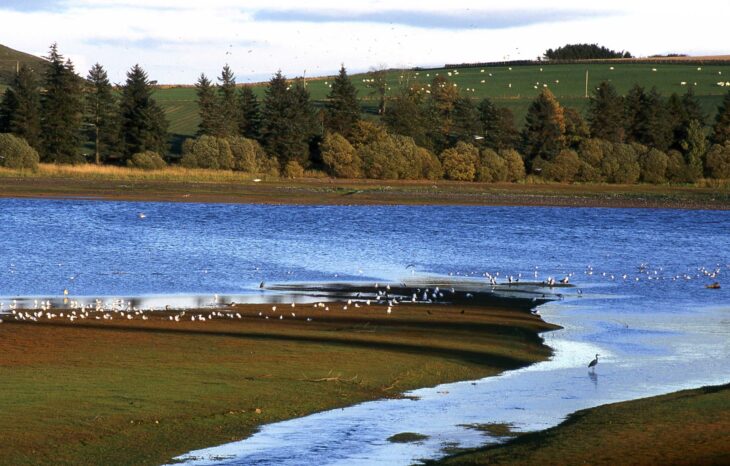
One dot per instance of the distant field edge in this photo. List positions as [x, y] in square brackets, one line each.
[685, 427]
[688, 60]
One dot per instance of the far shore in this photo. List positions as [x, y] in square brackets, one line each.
[179, 185]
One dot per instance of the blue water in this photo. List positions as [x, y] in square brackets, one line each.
[642, 304]
[208, 248]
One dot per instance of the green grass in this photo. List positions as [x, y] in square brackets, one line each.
[182, 109]
[141, 392]
[687, 427]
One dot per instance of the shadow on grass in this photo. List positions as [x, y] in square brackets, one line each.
[472, 356]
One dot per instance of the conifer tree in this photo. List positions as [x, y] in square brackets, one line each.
[405, 116]
[497, 126]
[61, 111]
[466, 125]
[343, 109]
[648, 119]
[249, 123]
[20, 108]
[102, 113]
[281, 134]
[721, 128]
[143, 123]
[695, 148]
[227, 103]
[606, 113]
[207, 107]
[308, 123]
[544, 132]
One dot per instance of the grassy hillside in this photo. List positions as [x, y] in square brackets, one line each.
[10, 59]
[567, 82]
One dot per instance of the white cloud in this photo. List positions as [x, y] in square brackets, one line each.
[176, 40]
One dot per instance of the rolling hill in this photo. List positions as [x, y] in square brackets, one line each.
[11, 60]
[513, 87]
[509, 85]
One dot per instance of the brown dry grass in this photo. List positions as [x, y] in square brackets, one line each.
[182, 185]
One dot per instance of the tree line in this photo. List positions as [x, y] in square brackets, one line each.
[584, 52]
[425, 130]
[58, 113]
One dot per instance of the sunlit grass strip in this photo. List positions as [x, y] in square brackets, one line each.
[109, 172]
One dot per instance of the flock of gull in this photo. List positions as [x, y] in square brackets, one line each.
[118, 309]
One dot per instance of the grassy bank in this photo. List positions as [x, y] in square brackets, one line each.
[197, 185]
[688, 427]
[142, 391]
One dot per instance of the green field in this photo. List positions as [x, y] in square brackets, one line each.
[567, 82]
[688, 427]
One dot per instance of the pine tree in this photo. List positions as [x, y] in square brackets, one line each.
[61, 111]
[695, 148]
[143, 124]
[606, 113]
[544, 132]
[693, 108]
[281, 133]
[466, 125]
[677, 116]
[227, 103]
[576, 128]
[497, 126]
[406, 116]
[343, 110]
[307, 122]
[648, 119]
[249, 123]
[207, 107]
[721, 128]
[20, 108]
[102, 113]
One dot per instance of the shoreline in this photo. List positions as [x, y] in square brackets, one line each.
[363, 192]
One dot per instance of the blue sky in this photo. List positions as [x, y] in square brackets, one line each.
[176, 40]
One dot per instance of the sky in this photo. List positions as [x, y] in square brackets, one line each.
[177, 40]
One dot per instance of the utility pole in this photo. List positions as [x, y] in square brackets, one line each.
[586, 96]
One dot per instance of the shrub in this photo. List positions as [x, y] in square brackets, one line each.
[16, 153]
[147, 160]
[293, 169]
[620, 165]
[563, 168]
[248, 156]
[717, 162]
[431, 168]
[380, 158]
[515, 164]
[492, 167]
[460, 162]
[591, 152]
[340, 158]
[207, 152]
[654, 166]
[677, 171]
